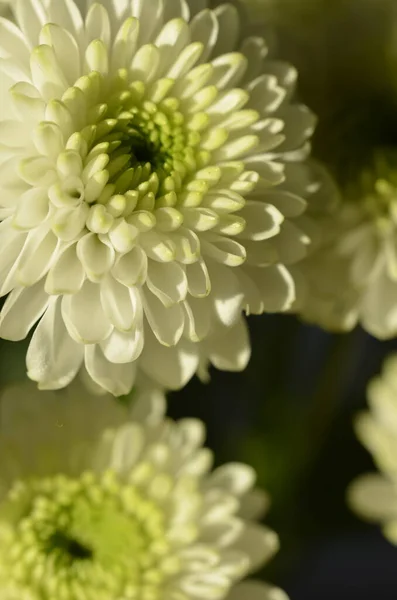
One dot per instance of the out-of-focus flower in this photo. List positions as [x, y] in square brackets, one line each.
[352, 275]
[374, 496]
[345, 53]
[100, 501]
[150, 176]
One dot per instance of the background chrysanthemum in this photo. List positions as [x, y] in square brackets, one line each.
[346, 53]
[374, 496]
[150, 174]
[103, 501]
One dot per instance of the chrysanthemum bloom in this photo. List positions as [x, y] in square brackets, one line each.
[149, 173]
[352, 275]
[342, 53]
[132, 511]
[374, 496]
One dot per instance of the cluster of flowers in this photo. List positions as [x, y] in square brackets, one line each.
[155, 182]
[156, 188]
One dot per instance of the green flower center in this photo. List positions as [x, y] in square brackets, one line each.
[377, 190]
[93, 537]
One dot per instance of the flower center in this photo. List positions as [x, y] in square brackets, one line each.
[70, 547]
[377, 190]
[92, 537]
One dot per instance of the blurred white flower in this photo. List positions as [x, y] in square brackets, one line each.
[132, 511]
[374, 496]
[150, 177]
[352, 275]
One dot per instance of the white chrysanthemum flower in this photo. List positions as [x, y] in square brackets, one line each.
[352, 275]
[130, 512]
[374, 496]
[149, 173]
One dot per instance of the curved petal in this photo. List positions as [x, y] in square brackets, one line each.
[167, 323]
[122, 305]
[21, 310]
[53, 358]
[171, 367]
[167, 281]
[230, 351]
[67, 275]
[117, 379]
[122, 347]
[84, 316]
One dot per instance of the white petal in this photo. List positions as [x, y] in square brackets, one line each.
[66, 14]
[223, 250]
[167, 281]
[13, 43]
[262, 220]
[47, 74]
[204, 28]
[291, 244]
[125, 44]
[288, 204]
[199, 283]
[235, 478]
[185, 61]
[31, 17]
[97, 25]
[258, 543]
[122, 347]
[67, 275]
[166, 323]
[255, 50]
[299, 125]
[26, 102]
[225, 294]
[231, 350]
[197, 319]
[286, 75]
[150, 18]
[229, 29]
[75, 311]
[96, 57]
[117, 379]
[229, 69]
[21, 310]
[266, 94]
[37, 257]
[171, 41]
[145, 63]
[131, 268]
[32, 209]
[209, 585]
[96, 257]
[68, 223]
[379, 308]
[171, 367]
[127, 445]
[12, 133]
[65, 49]
[275, 285]
[373, 497]
[53, 358]
[12, 242]
[122, 305]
